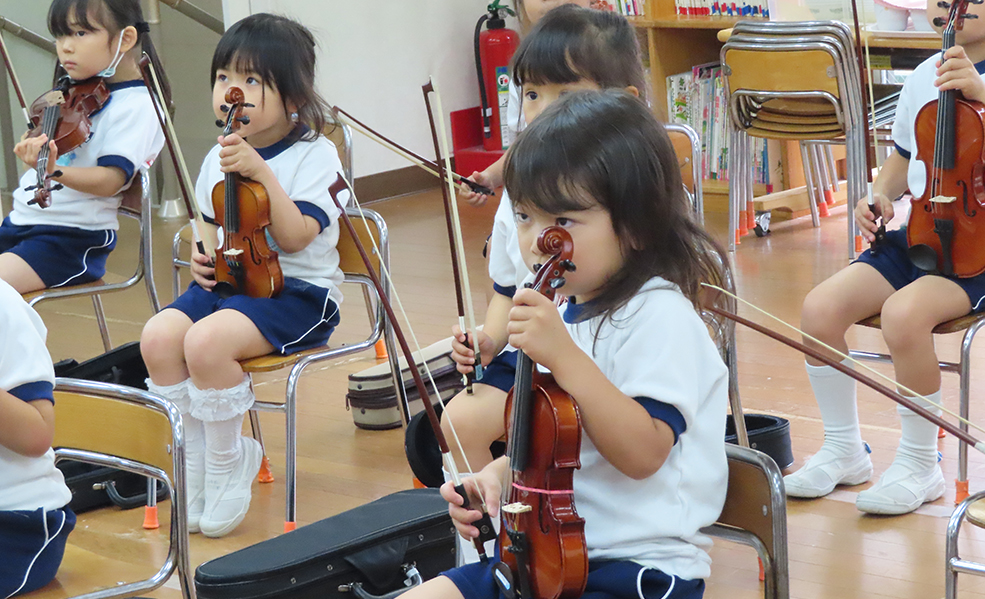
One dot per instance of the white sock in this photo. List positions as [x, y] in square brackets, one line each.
[221, 411]
[180, 395]
[835, 395]
[918, 442]
[222, 445]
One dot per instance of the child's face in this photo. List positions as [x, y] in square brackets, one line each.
[536, 9]
[537, 97]
[598, 254]
[85, 53]
[269, 121]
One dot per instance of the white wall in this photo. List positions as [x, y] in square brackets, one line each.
[374, 57]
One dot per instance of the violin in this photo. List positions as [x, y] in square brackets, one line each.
[943, 231]
[542, 538]
[63, 115]
[246, 264]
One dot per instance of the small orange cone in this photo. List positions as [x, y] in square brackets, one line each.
[941, 433]
[150, 518]
[418, 484]
[762, 572]
[381, 349]
[822, 208]
[265, 475]
[960, 491]
[858, 244]
[743, 222]
[829, 197]
[289, 526]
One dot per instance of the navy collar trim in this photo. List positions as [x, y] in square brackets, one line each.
[124, 85]
[573, 311]
[980, 67]
[279, 147]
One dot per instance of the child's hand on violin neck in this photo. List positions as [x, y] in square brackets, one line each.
[238, 156]
[957, 71]
[29, 148]
[536, 327]
[464, 355]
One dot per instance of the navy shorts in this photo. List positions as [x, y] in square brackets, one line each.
[607, 579]
[32, 544]
[501, 372]
[59, 255]
[302, 316]
[895, 266]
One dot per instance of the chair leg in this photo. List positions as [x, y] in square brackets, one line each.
[964, 409]
[150, 510]
[290, 449]
[265, 475]
[829, 157]
[97, 305]
[811, 186]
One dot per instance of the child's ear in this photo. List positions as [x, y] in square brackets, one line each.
[130, 37]
[632, 89]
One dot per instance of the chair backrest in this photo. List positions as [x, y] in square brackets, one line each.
[340, 134]
[349, 259]
[687, 146]
[133, 196]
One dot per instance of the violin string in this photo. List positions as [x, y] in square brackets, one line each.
[844, 356]
[459, 244]
[396, 298]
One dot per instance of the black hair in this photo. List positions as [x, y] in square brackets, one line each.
[282, 52]
[114, 16]
[572, 43]
[606, 148]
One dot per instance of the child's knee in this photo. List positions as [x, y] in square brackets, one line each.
[157, 339]
[201, 348]
[904, 321]
[820, 314]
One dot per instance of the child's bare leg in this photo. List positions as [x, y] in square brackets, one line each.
[220, 396]
[829, 310]
[908, 320]
[15, 271]
[478, 421]
[440, 587]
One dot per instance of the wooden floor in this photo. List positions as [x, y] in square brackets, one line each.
[835, 551]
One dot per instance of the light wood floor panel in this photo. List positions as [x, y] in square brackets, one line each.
[835, 551]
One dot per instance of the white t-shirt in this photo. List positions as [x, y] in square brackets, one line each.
[657, 347]
[26, 483]
[506, 266]
[304, 169]
[918, 90]
[125, 134]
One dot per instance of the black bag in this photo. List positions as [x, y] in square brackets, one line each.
[369, 549]
[98, 486]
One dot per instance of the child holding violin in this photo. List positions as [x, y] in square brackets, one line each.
[35, 519]
[629, 346]
[67, 243]
[911, 302]
[571, 48]
[192, 348]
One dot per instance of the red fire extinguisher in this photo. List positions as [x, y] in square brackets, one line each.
[494, 49]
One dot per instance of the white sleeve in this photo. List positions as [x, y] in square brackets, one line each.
[24, 359]
[316, 171]
[502, 271]
[207, 178]
[133, 133]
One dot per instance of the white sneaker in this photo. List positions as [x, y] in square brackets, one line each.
[900, 491]
[825, 470]
[228, 496]
[195, 490]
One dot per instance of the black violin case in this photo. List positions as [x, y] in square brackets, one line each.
[365, 551]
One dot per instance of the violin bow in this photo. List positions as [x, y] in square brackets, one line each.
[206, 247]
[463, 291]
[867, 93]
[906, 402]
[15, 81]
[466, 185]
[485, 526]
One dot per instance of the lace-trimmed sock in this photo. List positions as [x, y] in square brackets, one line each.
[179, 395]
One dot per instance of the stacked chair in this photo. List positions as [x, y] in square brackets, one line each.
[793, 81]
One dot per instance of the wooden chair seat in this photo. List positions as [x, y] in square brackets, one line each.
[108, 279]
[79, 567]
[951, 326]
[275, 361]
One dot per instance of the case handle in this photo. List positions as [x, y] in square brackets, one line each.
[413, 580]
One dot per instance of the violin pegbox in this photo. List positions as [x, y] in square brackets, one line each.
[556, 242]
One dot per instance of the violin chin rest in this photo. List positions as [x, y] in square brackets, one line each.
[923, 257]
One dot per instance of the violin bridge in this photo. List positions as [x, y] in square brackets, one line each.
[943, 199]
[54, 98]
[232, 252]
[516, 508]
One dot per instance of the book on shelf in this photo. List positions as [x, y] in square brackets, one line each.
[627, 8]
[698, 98]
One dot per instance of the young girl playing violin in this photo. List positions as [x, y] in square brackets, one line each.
[910, 302]
[67, 243]
[192, 347]
[629, 346]
[571, 49]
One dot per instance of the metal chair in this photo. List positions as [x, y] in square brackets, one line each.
[792, 81]
[755, 514]
[136, 205]
[128, 429]
[953, 563]
[687, 146]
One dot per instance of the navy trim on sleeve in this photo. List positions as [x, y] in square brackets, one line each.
[315, 212]
[34, 391]
[665, 412]
[119, 162]
[902, 152]
[507, 291]
[209, 220]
